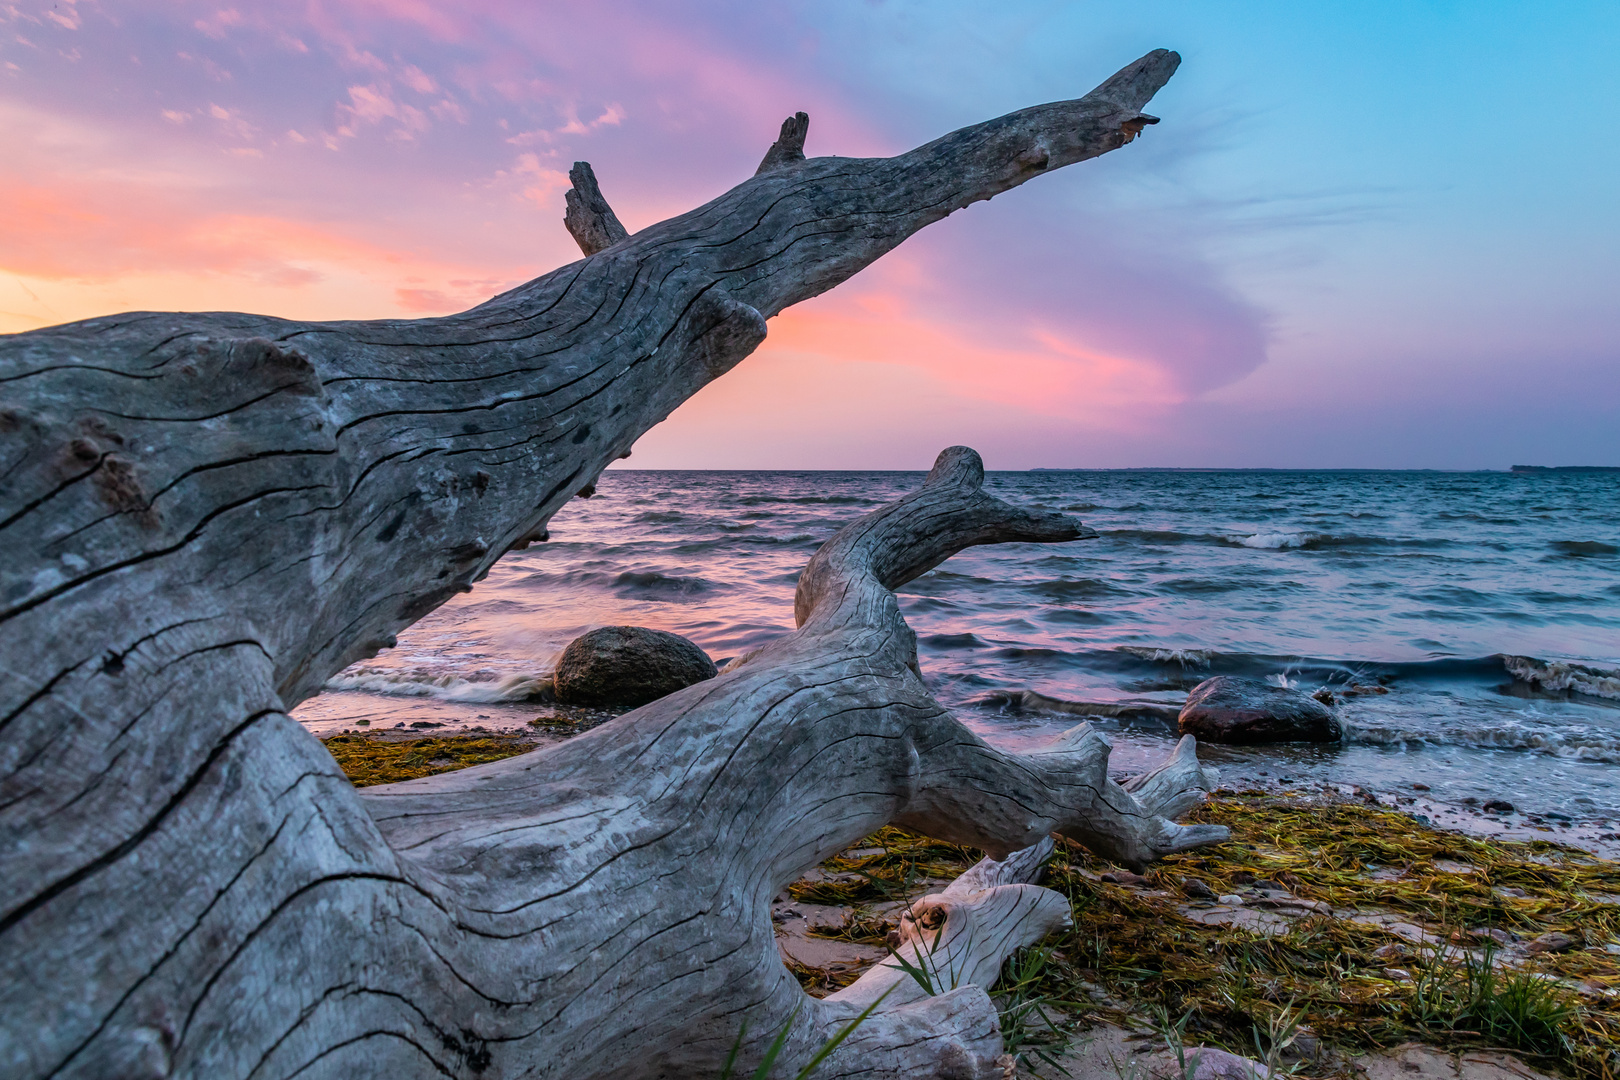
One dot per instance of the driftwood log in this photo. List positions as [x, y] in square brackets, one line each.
[205, 516]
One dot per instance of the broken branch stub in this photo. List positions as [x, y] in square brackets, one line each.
[206, 516]
[789, 145]
[589, 219]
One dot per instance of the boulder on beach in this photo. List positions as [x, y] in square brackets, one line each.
[1226, 709]
[628, 665]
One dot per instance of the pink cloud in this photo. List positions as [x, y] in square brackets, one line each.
[217, 24]
[1063, 318]
[1029, 371]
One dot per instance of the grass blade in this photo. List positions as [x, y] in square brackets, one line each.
[843, 1033]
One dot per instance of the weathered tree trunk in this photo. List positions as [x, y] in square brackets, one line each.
[206, 516]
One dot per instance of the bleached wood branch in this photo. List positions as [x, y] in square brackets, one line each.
[206, 516]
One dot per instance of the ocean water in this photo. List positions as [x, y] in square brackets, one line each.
[1474, 618]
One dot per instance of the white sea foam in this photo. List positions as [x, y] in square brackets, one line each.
[1571, 744]
[1276, 540]
[1563, 675]
[397, 683]
[1185, 657]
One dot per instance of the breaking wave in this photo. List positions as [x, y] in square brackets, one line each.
[1574, 744]
[1286, 539]
[1275, 540]
[1561, 676]
[528, 686]
[1185, 657]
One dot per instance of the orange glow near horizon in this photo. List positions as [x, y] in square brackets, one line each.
[1033, 370]
[382, 184]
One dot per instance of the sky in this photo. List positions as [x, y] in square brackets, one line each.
[1381, 234]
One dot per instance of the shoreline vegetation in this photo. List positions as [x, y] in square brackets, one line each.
[1326, 929]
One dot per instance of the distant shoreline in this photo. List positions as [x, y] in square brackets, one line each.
[1521, 469]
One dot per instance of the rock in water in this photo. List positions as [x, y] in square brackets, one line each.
[1232, 710]
[628, 665]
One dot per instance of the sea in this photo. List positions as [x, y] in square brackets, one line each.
[1468, 624]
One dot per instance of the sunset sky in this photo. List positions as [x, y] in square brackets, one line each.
[1372, 234]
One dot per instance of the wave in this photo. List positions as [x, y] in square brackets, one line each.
[810, 500]
[1565, 677]
[1190, 586]
[1550, 676]
[1579, 548]
[1184, 657]
[1030, 701]
[954, 641]
[393, 682]
[1075, 589]
[652, 585]
[645, 584]
[1285, 539]
[1161, 536]
[1574, 745]
[1274, 540]
[726, 544]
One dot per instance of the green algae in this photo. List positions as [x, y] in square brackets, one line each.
[890, 864]
[1135, 950]
[1354, 983]
[369, 761]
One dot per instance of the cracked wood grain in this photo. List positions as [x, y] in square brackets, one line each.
[205, 516]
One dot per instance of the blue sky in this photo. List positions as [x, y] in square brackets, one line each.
[1372, 234]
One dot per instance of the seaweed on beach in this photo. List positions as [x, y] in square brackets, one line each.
[1390, 943]
[372, 760]
[890, 864]
[1395, 932]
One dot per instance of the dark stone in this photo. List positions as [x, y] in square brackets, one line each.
[1498, 806]
[1124, 877]
[1197, 890]
[1553, 941]
[1227, 709]
[628, 665]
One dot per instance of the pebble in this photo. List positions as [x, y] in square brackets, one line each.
[1197, 889]
[1551, 942]
[1124, 877]
[1208, 1063]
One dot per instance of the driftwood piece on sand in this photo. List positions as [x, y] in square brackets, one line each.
[206, 516]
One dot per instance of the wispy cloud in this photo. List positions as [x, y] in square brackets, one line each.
[371, 157]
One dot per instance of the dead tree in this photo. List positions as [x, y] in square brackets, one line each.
[205, 516]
